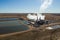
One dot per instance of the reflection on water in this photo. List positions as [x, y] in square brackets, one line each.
[53, 27]
[11, 26]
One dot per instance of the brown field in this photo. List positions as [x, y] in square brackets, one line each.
[34, 34]
[23, 15]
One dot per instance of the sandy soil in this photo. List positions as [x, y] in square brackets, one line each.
[34, 34]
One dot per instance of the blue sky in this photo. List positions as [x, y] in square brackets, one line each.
[27, 6]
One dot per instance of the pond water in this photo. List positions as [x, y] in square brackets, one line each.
[53, 27]
[6, 19]
[12, 26]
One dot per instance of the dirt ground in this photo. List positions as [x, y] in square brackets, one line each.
[35, 34]
[17, 15]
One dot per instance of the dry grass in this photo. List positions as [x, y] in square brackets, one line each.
[48, 16]
[34, 34]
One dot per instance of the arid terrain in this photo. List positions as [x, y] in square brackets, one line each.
[33, 34]
[51, 16]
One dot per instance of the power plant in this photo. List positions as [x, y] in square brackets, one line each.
[37, 20]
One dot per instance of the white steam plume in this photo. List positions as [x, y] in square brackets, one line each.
[45, 5]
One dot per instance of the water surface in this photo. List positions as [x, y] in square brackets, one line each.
[12, 26]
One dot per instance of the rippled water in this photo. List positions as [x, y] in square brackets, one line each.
[11, 26]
